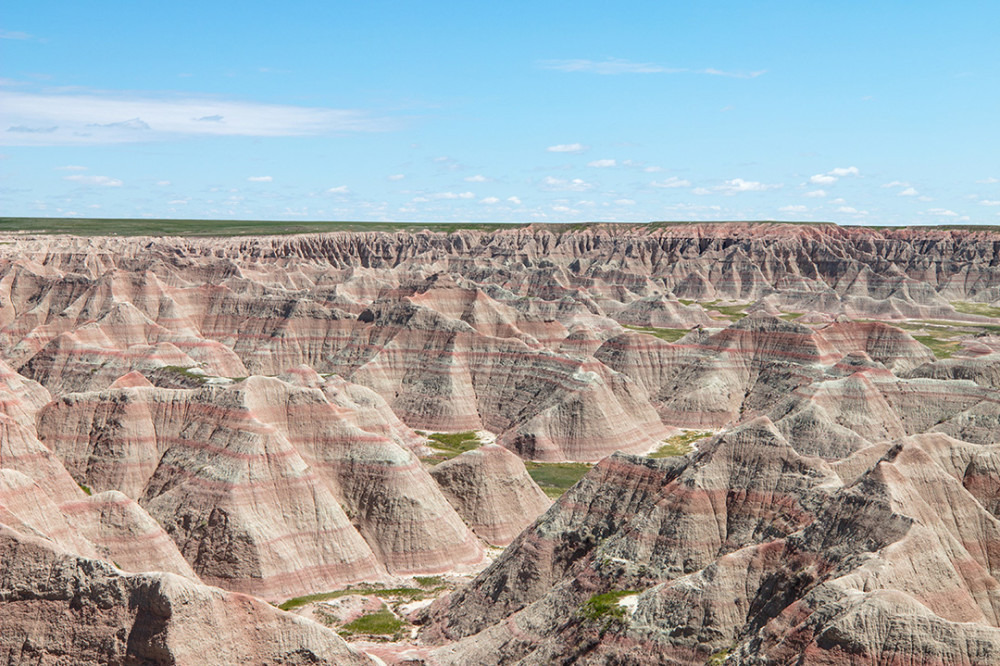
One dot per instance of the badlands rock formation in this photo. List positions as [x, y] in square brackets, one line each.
[185, 423]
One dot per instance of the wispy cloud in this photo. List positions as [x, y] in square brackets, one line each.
[794, 209]
[833, 175]
[340, 189]
[612, 66]
[561, 185]
[15, 34]
[989, 181]
[453, 195]
[489, 200]
[71, 167]
[815, 194]
[989, 202]
[101, 181]
[94, 118]
[260, 179]
[397, 176]
[738, 185]
[514, 200]
[602, 164]
[478, 178]
[908, 192]
[673, 181]
[567, 148]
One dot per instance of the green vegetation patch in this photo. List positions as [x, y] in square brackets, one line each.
[668, 334]
[166, 227]
[941, 346]
[718, 658]
[429, 581]
[408, 593]
[556, 478]
[88, 492]
[605, 606]
[976, 309]
[447, 445]
[730, 312]
[383, 622]
[679, 445]
[185, 372]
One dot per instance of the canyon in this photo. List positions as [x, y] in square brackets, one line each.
[674, 443]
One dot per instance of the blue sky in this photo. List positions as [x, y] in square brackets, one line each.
[853, 112]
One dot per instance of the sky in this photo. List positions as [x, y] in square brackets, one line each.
[850, 112]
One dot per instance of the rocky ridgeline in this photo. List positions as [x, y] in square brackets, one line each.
[185, 423]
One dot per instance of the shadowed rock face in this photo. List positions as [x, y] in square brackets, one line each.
[241, 413]
[62, 608]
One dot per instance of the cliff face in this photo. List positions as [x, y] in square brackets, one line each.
[253, 414]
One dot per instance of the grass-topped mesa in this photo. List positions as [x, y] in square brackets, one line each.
[667, 334]
[681, 444]
[447, 445]
[940, 345]
[556, 478]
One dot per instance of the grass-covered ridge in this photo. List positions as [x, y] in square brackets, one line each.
[168, 227]
[556, 478]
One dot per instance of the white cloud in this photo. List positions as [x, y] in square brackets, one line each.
[625, 202]
[848, 209]
[260, 179]
[897, 183]
[653, 169]
[453, 195]
[514, 200]
[567, 148]
[988, 181]
[102, 181]
[673, 181]
[561, 185]
[735, 75]
[609, 66]
[15, 34]
[944, 212]
[71, 168]
[397, 176]
[478, 178]
[163, 183]
[96, 118]
[989, 202]
[833, 175]
[794, 209]
[815, 194]
[177, 202]
[908, 192]
[489, 200]
[563, 209]
[925, 198]
[602, 163]
[701, 191]
[613, 66]
[838, 200]
[340, 189]
[737, 185]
